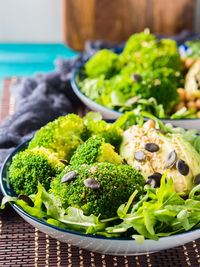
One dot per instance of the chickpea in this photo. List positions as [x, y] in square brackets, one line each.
[188, 62]
[198, 103]
[191, 104]
[198, 114]
[182, 94]
[180, 105]
[190, 96]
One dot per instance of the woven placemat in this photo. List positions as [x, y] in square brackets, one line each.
[23, 245]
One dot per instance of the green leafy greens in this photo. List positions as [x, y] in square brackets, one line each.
[49, 209]
[160, 212]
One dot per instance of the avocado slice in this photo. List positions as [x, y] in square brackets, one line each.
[192, 80]
[135, 138]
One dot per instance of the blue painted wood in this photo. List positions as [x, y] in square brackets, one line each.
[27, 59]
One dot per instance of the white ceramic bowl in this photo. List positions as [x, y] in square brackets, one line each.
[111, 114]
[113, 246]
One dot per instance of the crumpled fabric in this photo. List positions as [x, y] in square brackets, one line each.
[46, 96]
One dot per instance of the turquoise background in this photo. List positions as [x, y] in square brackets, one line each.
[27, 59]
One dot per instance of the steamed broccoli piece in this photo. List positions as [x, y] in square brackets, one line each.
[145, 51]
[32, 166]
[95, 150]
[104, 63]
[61, 136]
[117, 183]
[111, 133]
[155, 84]
[175, 77]
[136, 42]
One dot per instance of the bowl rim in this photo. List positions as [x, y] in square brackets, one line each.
[19, 148]
[78, 92]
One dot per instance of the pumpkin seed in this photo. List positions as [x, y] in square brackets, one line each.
[136, 77]
[125, 162]
[140, 155]
[65, 162]
[171, 159]
[151, 147]
[91, 183]
[70, 176]
[154, 179]
[182, 167]
[197, 179]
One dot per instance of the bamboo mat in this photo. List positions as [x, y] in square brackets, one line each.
[23, 245]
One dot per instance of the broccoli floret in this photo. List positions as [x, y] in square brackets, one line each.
[161, 88]
[117, 183]
[111, 133]
[166, 54]
[32, 166]
[155, 84]
[145, 51]
[61, 136]
[136, 42]
[95, 150]
[104, 63]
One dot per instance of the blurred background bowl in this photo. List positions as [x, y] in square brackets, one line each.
[111, 114]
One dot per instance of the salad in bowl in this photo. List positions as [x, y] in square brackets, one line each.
[125, 184]
[148, 75]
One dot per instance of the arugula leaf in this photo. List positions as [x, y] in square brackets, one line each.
[126, 120]
[94, 116]
[138, 238]
[117, 98]
[130, 202]
[194, 191]
[119, 228]
[103, 233]
[34, 211]
[75, 219]
[56, 223]
[7, 199]
[166, 195]
[196, 143]
[142, 224]
[53, 206]
[139, 203]
[184, 113]
[148, 221]
[183, 219]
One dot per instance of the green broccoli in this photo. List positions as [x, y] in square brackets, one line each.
[156, 85]
[61, 136]
[116, 184]
[145, 51]
[104, 63]
[111, 133]
[32, 166]
[151, 84]
[137, 42]
[95, 150]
